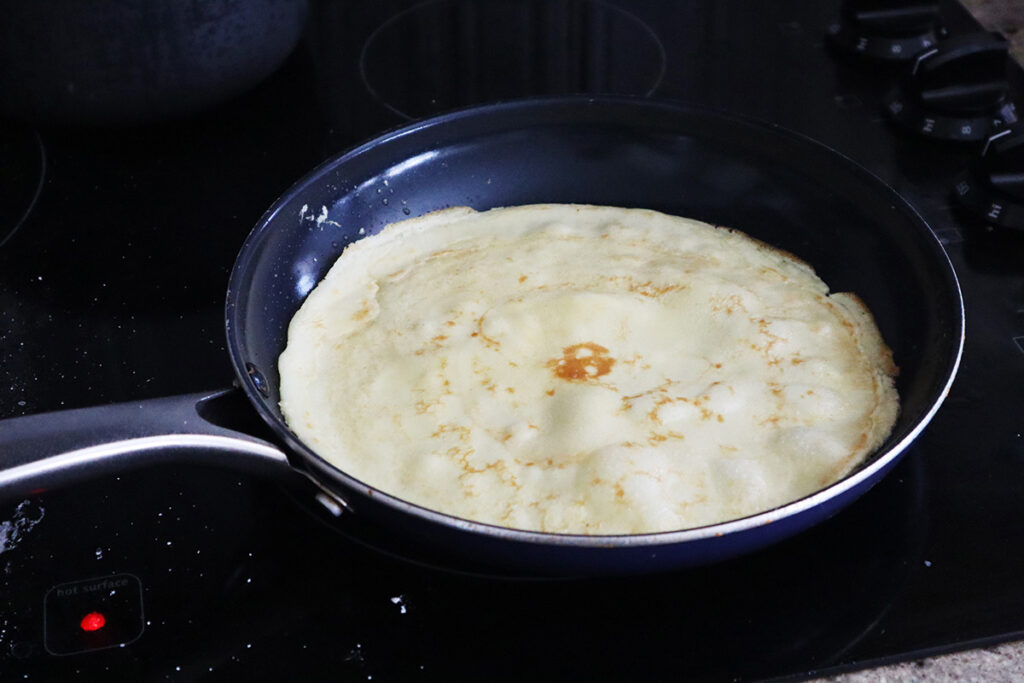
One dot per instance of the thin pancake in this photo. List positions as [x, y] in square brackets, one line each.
[584, 369]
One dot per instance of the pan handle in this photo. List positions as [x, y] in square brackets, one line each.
[44, 451]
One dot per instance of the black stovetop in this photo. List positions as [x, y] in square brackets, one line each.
[112, 286]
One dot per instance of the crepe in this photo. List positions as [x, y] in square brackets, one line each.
[584, 369]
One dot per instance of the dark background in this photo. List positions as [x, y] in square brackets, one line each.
[112, 289]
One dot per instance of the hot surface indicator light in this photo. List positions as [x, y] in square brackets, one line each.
[93, 621]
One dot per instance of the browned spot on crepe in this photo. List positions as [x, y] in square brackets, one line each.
[582, 362]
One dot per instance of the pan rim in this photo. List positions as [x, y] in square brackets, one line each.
[863, 476]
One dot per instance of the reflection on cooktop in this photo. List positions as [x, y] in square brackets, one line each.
[770, 603]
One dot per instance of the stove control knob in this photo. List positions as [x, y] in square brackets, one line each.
[956, 90]
[993, 187]
[886, 30]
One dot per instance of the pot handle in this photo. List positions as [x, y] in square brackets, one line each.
[39, 452]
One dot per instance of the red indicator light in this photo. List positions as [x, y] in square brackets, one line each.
[93, 621]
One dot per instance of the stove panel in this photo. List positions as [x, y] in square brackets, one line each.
[112, 287]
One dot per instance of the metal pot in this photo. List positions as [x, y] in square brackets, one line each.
[138, 60]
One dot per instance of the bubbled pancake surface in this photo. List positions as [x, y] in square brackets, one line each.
[584, 369]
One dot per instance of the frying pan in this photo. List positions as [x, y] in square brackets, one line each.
[774, 185]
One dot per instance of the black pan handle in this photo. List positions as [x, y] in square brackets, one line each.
[48, 450]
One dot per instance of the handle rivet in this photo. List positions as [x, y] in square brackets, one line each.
[258, 380]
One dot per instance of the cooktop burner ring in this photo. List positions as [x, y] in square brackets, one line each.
[396, 68]
[22, 174]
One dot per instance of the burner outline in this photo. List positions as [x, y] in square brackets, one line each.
[390, 22]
